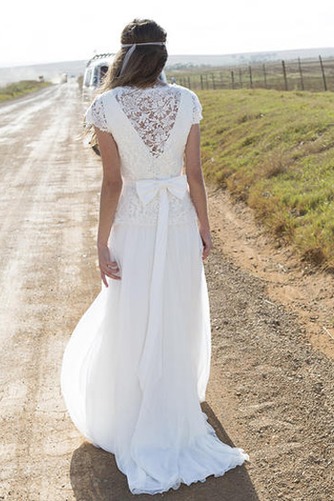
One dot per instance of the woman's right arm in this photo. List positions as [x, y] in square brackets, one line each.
[110, 193]
[196, 186]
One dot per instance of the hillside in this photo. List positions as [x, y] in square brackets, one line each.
[182, 61]
[275, 151]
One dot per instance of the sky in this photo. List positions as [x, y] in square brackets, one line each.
[38, 31]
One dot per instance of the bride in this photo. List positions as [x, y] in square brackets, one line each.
[137, 365]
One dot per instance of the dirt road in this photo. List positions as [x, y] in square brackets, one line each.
[271, 388]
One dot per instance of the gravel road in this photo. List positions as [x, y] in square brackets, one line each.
[271, 388]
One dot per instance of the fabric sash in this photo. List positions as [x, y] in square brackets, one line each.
[147, 189]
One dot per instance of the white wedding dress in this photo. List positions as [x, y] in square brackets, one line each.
[136, 367]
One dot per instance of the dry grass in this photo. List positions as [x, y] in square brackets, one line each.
[18, 89]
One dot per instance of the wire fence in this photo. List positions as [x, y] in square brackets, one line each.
[314, 75]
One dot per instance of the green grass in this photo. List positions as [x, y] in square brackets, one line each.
[275, 151]
[18, 89]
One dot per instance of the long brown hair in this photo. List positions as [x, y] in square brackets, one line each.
[147, 61]
[144, 66]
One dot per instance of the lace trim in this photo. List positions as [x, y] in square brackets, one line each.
[96, 115]
[197, 109]
[152, 114]
[131, 210]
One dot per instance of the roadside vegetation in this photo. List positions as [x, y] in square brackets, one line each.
[275, 151]
[18, 89]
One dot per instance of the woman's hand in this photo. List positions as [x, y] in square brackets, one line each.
[207, 242]
[108, 266]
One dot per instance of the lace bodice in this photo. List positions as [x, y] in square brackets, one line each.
[151, 115]
[150, 127]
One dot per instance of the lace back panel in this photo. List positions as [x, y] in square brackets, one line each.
[151, 114]
[150, 127]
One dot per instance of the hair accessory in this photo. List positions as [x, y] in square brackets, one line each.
[131, 51]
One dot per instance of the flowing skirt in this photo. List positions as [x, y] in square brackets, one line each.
[138, 395]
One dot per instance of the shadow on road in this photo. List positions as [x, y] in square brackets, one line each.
[95, 477]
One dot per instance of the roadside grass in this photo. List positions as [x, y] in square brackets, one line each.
[275, 151]
[18, 89]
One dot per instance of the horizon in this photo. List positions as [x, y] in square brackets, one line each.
[54, 71]
[215, 55]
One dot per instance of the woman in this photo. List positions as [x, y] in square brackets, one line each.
[136, 367]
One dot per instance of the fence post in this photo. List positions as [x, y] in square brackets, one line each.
[264, 76]
[284, 75]
[323, 73]
[213, 81]
[304, 73]
[301, 74]
[250, 76]
[232, 79]
[221, 79]
[240, 78]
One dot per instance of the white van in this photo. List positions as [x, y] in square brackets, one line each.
[96, 68]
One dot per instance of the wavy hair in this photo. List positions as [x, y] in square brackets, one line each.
[146, 62]
[144, 66]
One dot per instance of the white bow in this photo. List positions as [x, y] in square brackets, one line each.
[147, 189]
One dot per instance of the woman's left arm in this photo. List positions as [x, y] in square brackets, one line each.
[110, 193]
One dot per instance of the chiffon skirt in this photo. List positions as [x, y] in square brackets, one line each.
[136, 366]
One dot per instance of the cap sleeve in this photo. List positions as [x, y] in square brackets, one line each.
[197, 109]
[95, 115]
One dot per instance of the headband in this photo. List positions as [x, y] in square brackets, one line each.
[131, 51]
